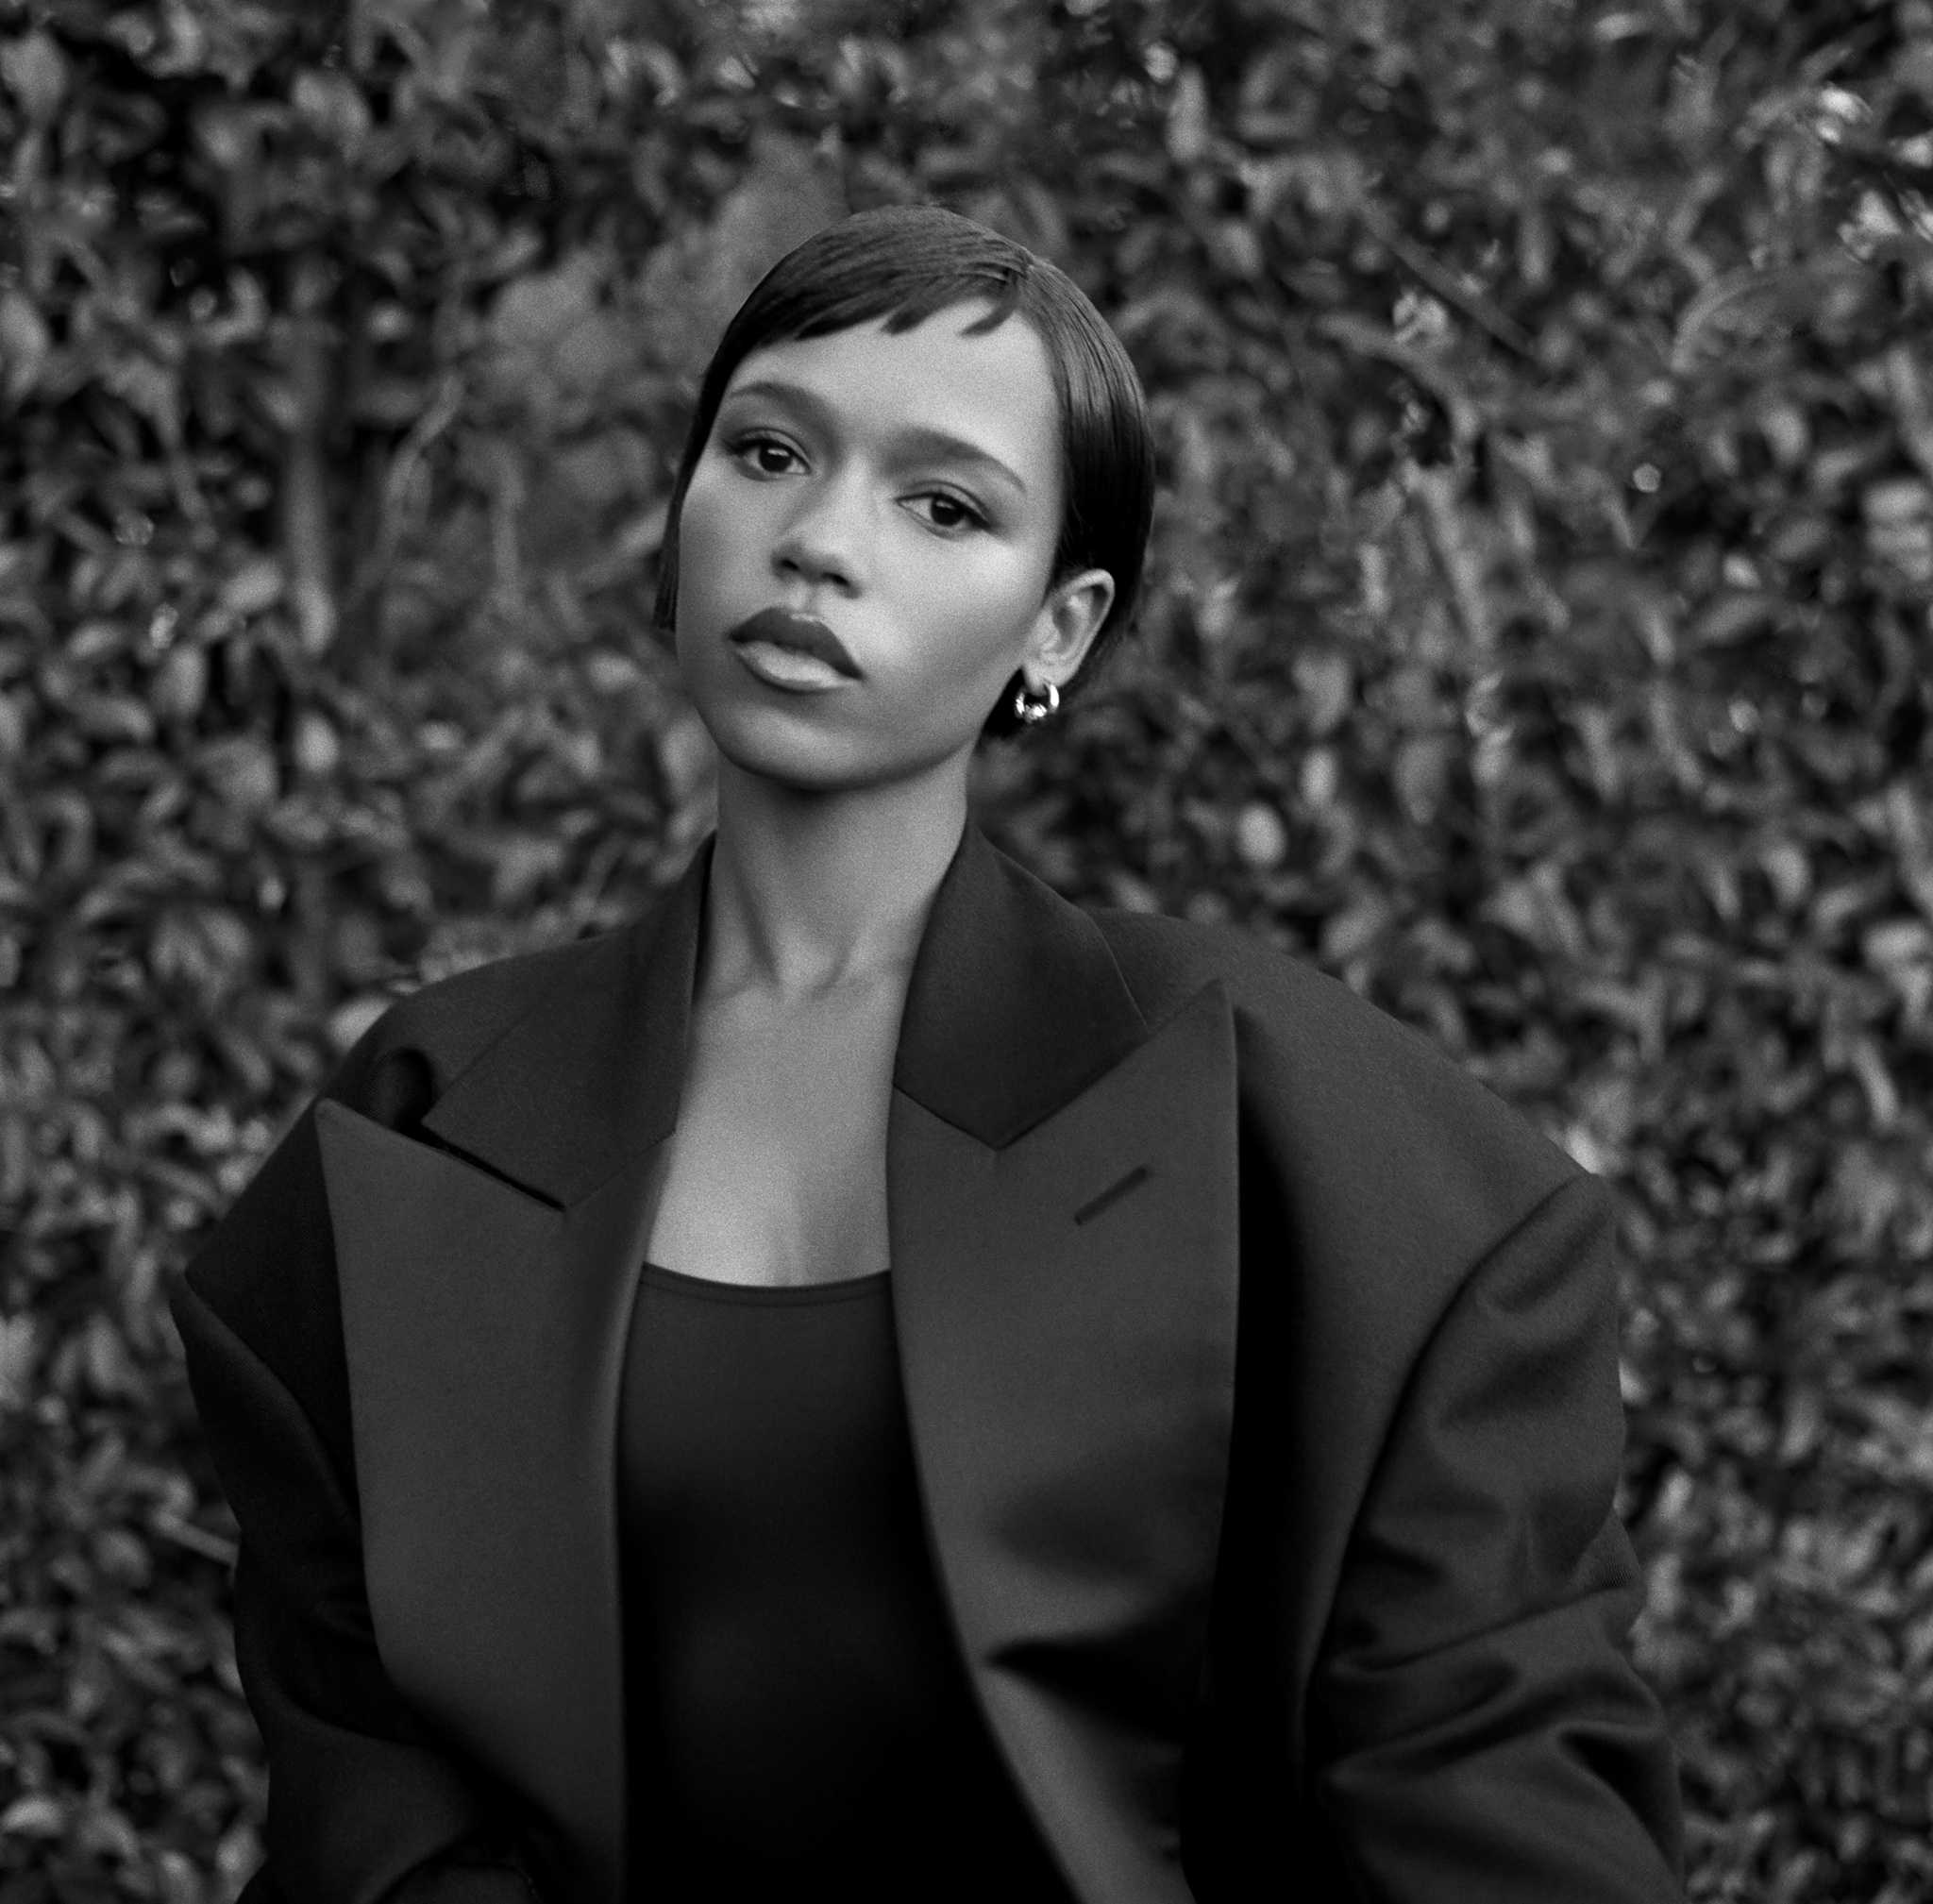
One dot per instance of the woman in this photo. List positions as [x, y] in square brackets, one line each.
[876, 1381]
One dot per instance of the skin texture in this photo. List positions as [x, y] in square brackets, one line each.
[824, 488]
[906, 491]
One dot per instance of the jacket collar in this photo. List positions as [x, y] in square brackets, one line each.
[589, 1077]
[1014, 1005]
[1061, 1184]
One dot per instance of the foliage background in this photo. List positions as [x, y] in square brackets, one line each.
[1538, 638]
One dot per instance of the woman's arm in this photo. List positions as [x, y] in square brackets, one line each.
[364, 1807]
[1488, 1739]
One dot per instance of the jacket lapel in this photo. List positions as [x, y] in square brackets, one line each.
[486, 1292]
[1061, 1196]
[1064, 1232]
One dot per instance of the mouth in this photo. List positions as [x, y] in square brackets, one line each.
[790, 650]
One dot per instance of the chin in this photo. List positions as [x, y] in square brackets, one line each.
[776, 744]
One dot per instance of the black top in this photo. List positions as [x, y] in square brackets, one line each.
[799, 1718]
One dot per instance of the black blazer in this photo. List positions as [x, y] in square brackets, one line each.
[1262, 1372]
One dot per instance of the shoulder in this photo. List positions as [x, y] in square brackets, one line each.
[267, 1269]
[1165, 961]
[1351, 1106]
[413, 1053]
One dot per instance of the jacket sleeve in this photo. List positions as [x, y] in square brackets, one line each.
[364, 1807]
[1487, 1738]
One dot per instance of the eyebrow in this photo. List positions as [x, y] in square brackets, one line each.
[922, 440]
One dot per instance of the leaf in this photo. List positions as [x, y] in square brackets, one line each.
[179, 684]
[34, 1816]
[25, 345]
[1325, 685]
[1738, 614]
[1352, 932]
[1261, 839]
[1188, 125]
[19, 1355]
[349, 1020]
[1421, 775]
[335, 105]
[36, 72]
[251, 590]
[242, 771]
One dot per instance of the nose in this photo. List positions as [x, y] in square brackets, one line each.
[822, 543]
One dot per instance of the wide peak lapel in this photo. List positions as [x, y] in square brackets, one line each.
[589, 1076]
[1015, 1004]
[486, 1282]
[1065, 1265]
[484, 1336]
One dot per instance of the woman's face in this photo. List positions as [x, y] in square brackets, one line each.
[865, 551]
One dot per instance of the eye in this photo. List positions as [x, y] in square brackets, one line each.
[765, 455]
[942, 510]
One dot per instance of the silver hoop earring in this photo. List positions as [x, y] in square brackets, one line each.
[1034, 709]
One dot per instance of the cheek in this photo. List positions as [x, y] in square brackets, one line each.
[978, 636]
[978, 617]
[704, 544]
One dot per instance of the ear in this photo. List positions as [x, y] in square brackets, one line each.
[1064, 629]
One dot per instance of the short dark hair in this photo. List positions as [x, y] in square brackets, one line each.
[905, 264]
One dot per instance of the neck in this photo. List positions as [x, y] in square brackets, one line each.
[809, 891]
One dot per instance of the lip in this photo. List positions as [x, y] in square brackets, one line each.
[793, 633]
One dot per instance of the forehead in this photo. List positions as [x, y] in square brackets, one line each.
[994, 389]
